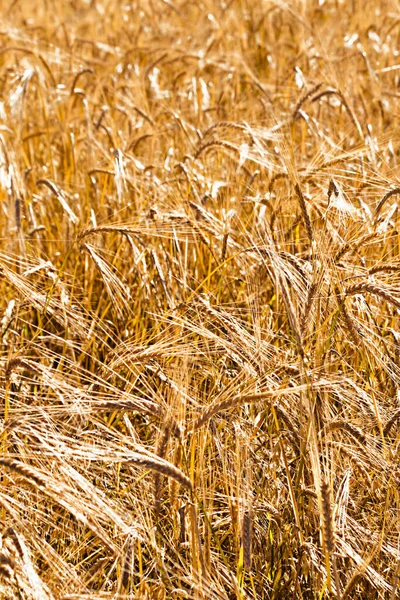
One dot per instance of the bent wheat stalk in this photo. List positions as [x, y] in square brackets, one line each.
[221, 405]
[363, 288]
[162, 466]
[385, 198]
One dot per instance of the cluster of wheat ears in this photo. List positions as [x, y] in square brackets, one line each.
[200, 299]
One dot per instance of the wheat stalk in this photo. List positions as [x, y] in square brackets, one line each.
[227, 403]
[346, 426]
[161, 466]
[363, 288]
[384, 199]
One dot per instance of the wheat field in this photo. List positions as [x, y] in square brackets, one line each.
[200, 299]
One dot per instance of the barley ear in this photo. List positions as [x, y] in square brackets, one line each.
[247, 538]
